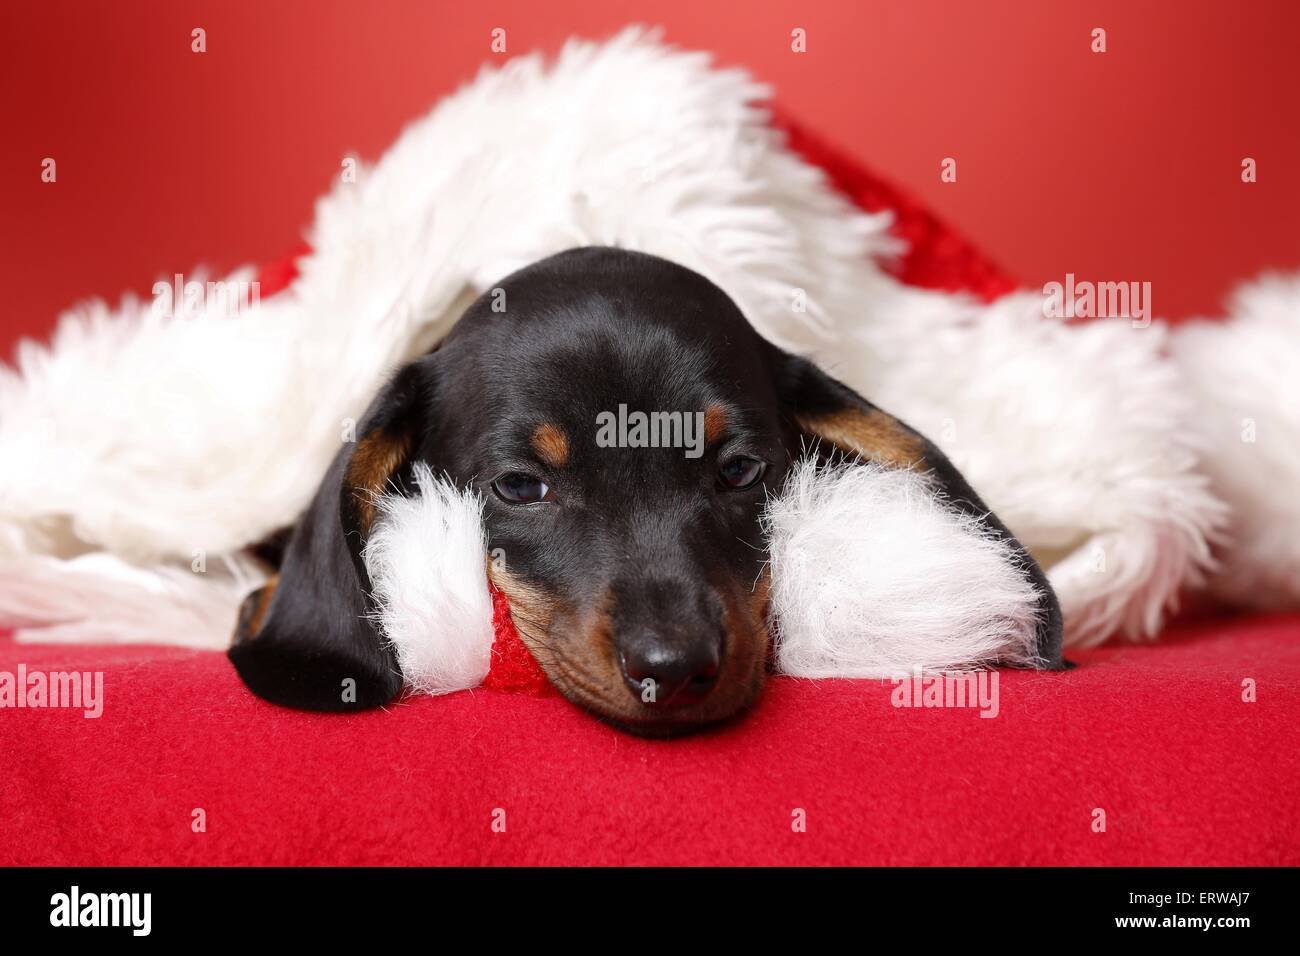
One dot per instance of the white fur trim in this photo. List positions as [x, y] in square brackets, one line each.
[426, 559]
[873, 575]
[100, 598]
[1244, 378]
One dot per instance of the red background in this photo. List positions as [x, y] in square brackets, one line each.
[1121, 166]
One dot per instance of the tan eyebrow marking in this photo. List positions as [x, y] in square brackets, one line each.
[715, 423]
[550, 442]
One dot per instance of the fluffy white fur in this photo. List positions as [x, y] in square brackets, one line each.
[1077, 436]
[1244, 377]
[426, 560]
[873, 575]
[149, 439]
[101, 597]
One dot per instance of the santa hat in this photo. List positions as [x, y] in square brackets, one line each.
[144, 453]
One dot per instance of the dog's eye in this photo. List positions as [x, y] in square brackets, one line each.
[520, 489]
[741, 472]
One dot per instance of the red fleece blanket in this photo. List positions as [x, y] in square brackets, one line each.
[1181, 752]
[1157, 738]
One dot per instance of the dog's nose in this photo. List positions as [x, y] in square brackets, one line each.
[673, 674]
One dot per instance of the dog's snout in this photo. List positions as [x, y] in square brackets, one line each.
[669, 635]
[670, 673]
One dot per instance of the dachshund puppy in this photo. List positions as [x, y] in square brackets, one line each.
[624, 425]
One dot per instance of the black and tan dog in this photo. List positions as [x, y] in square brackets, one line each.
[629, 567]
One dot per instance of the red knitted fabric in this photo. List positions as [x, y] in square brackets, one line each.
[514, 669]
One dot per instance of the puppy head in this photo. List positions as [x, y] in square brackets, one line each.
[625, 436]
[624, 425]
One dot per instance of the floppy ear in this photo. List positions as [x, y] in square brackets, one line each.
[307, 639]
[838, 422]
